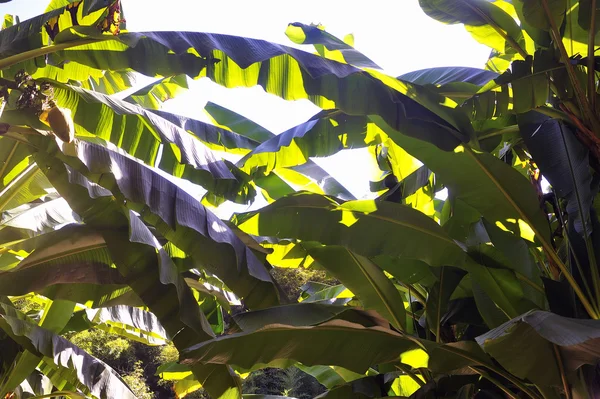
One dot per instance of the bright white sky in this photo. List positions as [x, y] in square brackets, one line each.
[397, 35]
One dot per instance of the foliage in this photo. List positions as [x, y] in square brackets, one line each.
[471, 270]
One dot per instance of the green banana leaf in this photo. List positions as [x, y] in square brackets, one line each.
[363, 388]
[309, 76]
[35, 218]
[27, 35]
[98, 377]
[130, 322]
[213, 136]
[441, 76]
[135, 130]
[25, 187]
[178, 216]
[304, 314]
[153, 95]
[540, 333]
[245, 127]
[488, 22]
[519, 259]
[337, 295]
[368, 228]
[327, 45]
[564, 161]
[70, 255]
[335, 342]
[439, 295]
[324, 134]
[143, 262]
[529, 82]
[585, 15]
[502, 286]
[14, 156]
[237, 123]
[408, 271]
[535, 15]
[93, 295]
[365, 279]
[492, 187]
[330, 376]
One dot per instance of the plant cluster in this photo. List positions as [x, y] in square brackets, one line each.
[471, 272]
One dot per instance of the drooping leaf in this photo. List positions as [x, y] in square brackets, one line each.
[245, 127]
[135, 130]
[536, 332]
[488, 22]
[491, 186]
[365, 279]
[99, 378]
[307, 76]
[440, 76]
[303, 314]
[439, 295]
[324, 134]
[564, 161]
[180, 218]
[585, 15]
[535, 15]
[71, 255]
[519, 259]
[216, 137]
[144, 264]
[27, 35]
[36, 218]
[237, 123]
[130, 322]
[368, 228]
[327, 45]
[336, 342]
[153, 95]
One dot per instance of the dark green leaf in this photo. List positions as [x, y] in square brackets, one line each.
[535, 15]
[564, 161]
[585, 15]
[439, 295]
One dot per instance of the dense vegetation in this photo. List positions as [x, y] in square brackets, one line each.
[492, 290]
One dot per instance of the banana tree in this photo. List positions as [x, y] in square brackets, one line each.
[492, 289]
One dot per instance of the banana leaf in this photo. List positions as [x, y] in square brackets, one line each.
[368, 228]
[99, 378]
